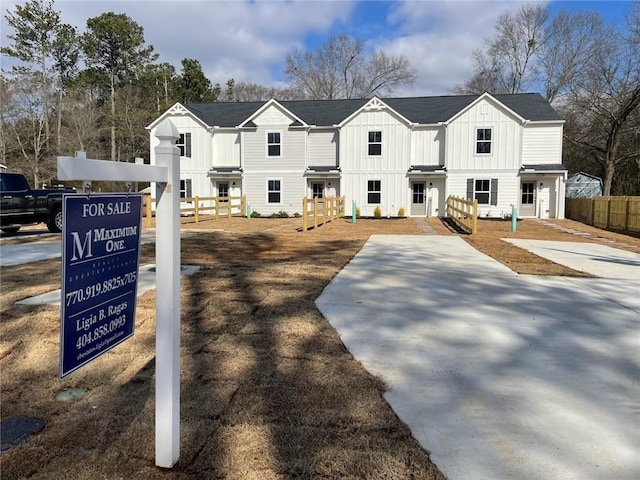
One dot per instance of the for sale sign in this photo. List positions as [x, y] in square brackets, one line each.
[100, 259]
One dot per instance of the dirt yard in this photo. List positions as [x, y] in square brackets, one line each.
[268, 389]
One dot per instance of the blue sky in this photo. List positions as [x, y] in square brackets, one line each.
[248, 40]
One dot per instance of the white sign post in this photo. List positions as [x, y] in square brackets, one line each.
[166, 174]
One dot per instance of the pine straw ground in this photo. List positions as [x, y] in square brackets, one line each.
[268, 389]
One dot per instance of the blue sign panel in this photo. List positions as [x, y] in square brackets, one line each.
[100, 259]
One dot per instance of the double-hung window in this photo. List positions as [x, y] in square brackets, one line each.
[375, 143]
[274, 191]
[484, 190]
[185, 188]
[374, 191]
[483, 141]
[274, 147]
[184, 144]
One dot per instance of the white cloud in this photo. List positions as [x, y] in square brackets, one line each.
[240, 39]
[248, 40]
[438, 38]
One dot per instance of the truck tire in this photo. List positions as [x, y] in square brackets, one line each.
[55, 221]
[12, 229]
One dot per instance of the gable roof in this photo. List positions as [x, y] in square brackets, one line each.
[419, 110]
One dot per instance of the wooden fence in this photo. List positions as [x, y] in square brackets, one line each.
[316, 211]
[464, 212]
[608, 213]
[210, 207]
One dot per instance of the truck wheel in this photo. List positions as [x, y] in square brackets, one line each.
[55, 221]
[13, 229]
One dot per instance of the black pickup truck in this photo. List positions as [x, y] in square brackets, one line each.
[20, 205]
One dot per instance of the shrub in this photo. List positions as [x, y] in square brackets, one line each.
[377, 212]
[401, 212]
[255, 214]
[357, 212]
[282, 214]
[296, 215]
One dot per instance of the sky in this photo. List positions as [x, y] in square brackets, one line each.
[249, 40]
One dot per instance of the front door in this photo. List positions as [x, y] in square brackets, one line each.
[317, 190]
[528, 199]
[223, 192]
[418, 204]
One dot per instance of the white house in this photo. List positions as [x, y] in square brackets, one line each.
[392, 153]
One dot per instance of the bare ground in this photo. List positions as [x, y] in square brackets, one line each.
[268, 389]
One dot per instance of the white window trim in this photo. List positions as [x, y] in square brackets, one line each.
[267, 191]
[374, 143]
[374, 191]
[476, 141]
[266, 142]
[184, 144]
[188, 188]
[488, 192]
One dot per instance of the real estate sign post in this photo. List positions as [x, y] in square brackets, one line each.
[166, 174]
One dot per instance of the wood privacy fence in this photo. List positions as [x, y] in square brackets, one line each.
[211, 207]
[464, 213]
[609, 213]
[316, 211]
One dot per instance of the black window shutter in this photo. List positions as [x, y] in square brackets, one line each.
[187, 141]
[469, 187]
[494, 191]
[188, 185]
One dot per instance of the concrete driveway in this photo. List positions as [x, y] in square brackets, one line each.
[499, 376]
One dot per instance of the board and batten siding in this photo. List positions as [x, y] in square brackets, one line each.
[505, 142]
[427, 146]
[226, 149]
[322, 149]
[354, 143]
[390, 167]
[542, 144]
[201, 150]
[508, 189]
[196, 167]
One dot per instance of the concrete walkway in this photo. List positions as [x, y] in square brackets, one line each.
[499, 376]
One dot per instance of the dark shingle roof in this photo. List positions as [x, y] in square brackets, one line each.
[420, 110]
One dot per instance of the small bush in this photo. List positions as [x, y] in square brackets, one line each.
[401, 212]
[280, 214]
[357, 212]
[377, 213]
[296, 215]
[255, 214]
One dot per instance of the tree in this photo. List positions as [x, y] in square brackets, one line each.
[605, 102]
[194, 85]
[47, 50]
[65, 53]
[507, 63]
[114, 46]
[26, 122]
[572, 43]
[161, 82]
[341, 68]
[254, 92]
[35, 28]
